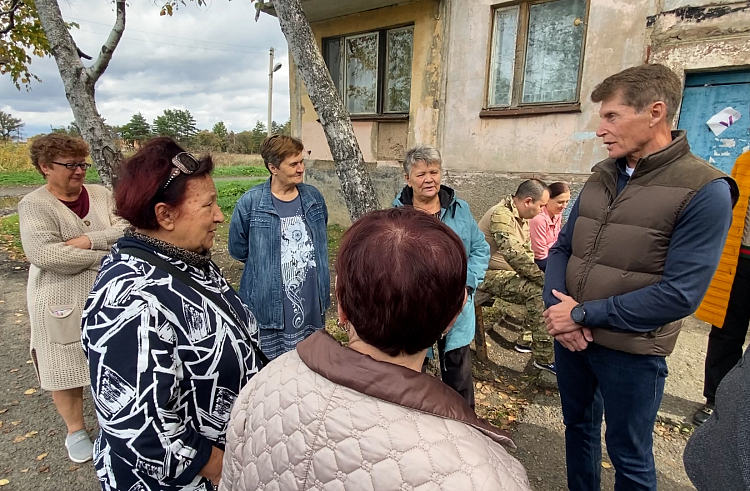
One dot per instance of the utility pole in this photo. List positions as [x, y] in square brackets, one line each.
[271, 70]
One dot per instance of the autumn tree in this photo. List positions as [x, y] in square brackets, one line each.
[21, 35]
[10, 126]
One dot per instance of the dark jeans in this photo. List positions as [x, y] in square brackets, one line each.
[542, 263]
[455, 370]
[628, 390]
[725, 343]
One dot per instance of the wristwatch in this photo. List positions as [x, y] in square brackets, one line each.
[578, 314]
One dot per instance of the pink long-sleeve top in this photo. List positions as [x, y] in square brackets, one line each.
[543, 231]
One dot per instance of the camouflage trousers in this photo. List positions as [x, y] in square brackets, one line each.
[508, 286]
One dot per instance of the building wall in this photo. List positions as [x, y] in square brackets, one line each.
[382, 141]
[485, 158]
[567, 142]
[701, 38]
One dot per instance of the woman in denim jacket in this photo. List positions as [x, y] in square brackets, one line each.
[278, 230]
[423, 172]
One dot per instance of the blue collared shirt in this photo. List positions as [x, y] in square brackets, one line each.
[694, 251]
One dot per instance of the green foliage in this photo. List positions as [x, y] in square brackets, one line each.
[136, 130]
[10, 235]
[33, 177]
[230, 191]
[10, 127]
[240, 171]
[71, 130]
[220, 130]
[257, 135]
[25, 39]
[176, 123]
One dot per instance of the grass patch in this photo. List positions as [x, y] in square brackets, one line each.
[33, 178]
[14, 156]
[230, 191]
[238, 159]
[10, 237]
[240, 171]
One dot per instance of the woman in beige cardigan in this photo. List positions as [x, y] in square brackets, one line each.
[66, 230]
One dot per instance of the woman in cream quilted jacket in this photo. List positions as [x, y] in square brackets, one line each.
[364, 417]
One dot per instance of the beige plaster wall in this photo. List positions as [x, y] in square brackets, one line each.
[717, 39]
[545, 143]
[425, 83]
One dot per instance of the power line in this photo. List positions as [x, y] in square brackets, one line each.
[181, 45]
[170, 36]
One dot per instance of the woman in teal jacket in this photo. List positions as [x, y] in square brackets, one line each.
[423, 171]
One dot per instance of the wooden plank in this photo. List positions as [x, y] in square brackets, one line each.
[479, 341]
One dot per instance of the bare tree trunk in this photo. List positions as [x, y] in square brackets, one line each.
[356, 184]
[79, 83]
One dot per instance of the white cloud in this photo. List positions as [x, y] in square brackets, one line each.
[211, 60]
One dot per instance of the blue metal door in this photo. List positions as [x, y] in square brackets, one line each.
[705, 95]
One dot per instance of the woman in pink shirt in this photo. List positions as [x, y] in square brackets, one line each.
[545, 227]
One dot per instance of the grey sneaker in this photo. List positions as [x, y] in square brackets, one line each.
[80, 448]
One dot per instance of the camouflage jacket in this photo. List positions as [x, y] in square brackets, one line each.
[510, 246]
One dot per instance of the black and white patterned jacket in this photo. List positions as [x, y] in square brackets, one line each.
[166, 367]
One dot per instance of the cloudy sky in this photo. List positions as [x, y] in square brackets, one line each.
[212, 61]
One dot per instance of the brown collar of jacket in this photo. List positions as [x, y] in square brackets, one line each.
[392, 383]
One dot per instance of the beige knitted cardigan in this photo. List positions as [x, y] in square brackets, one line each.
[63, 275]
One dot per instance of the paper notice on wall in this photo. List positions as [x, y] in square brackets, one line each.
[722, 120]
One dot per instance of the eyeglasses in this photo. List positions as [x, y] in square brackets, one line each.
[184, 163]
[82, 165]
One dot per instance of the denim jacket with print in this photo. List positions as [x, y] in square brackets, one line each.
[255, 239]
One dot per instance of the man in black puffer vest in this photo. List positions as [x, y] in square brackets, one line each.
[635, 257]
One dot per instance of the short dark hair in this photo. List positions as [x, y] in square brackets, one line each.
[643, 85]
[45, 149]
[558, 188]
[532, 188]
[142, 178]
[276, 148]
[401, 279]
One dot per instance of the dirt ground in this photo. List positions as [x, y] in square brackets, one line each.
[509, 392]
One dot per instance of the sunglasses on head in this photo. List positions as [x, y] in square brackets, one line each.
[184, 163]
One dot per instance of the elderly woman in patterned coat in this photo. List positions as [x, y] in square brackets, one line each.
[169, 342]
[66, 230]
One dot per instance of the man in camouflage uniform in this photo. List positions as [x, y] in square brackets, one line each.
[513, 276]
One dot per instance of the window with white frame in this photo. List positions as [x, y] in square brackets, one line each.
[536, 54]
[372, 70]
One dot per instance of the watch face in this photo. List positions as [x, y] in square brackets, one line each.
[577, 314]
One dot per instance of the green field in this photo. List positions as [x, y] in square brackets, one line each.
[230, 191]
[33, 178]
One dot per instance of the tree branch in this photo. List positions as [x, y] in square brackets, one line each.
[101, 63]
[11, 13]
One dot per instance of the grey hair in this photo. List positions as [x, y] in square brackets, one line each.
[424, 153]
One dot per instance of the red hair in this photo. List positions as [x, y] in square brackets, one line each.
[401, 279]
[142, 178]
